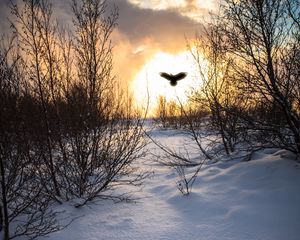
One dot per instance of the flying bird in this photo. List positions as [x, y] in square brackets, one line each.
[173, 78]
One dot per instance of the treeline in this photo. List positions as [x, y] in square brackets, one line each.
[65, 133]
[248, 57]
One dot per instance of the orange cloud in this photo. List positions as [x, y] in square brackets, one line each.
[144, 28]
[142, 32]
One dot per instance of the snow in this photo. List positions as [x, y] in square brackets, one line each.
[258, 199]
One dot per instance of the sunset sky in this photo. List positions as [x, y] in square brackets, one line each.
[150, 37]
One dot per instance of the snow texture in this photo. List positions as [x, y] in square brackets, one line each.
[236, 200]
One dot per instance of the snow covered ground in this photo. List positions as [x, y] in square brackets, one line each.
[259, 199]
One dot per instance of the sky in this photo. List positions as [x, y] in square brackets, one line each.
[145, 29]
[150, 37]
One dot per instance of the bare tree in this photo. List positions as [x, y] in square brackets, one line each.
[262, 36]
[24, 209]
[168, 113]
[161, 110]
[34, 33]
[64, 132]
[220, 89]
[103, 140]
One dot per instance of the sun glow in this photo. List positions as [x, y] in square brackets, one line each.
[148, 85]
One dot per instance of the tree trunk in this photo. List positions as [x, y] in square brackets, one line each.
[4, 222]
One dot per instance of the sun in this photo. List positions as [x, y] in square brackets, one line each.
[148, 85]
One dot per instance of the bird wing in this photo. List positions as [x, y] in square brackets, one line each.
[166, 76]
[179, 76]
[171, 77]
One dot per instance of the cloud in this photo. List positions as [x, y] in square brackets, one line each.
[194, 9]
[165, 29]
[140, 33]
[61, 11]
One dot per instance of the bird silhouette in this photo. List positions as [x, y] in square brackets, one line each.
[173, 78]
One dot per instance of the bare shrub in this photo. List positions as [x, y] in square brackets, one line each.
[168, 113]
[65, 133]
[220, 91]
[266, 51]
[24, 208]
[102, 140]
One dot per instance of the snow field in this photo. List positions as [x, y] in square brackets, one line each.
[230, 200]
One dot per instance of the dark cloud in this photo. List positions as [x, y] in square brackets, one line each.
[165, 28]
[161, 27]
[61, 11]
[140, 32]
